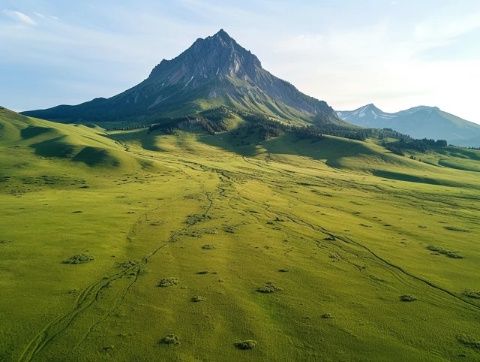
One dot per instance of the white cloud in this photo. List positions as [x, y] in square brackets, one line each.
[20, 17]
[441, 29]
[375, 63]
[43, 16]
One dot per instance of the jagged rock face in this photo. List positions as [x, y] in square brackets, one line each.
[214, 71]
[216, 57]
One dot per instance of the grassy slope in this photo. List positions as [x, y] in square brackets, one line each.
[263, 208]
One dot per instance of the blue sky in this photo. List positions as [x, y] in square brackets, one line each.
[394, 53]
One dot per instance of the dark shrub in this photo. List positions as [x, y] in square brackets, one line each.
[247, 344]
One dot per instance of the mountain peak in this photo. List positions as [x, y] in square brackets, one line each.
[422, 108]
[221, 37]
[418, 122]
[215, 57]
[213, 71]
[369, 111]
[222, 34]
[372, 107]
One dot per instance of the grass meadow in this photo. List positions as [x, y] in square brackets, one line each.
[131, 245]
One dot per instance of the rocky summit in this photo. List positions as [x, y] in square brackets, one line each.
[212, 72]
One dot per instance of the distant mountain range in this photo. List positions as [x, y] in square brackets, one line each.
[215, 71]
[418, 122]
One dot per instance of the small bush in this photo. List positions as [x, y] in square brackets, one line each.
[78, 259]
[167, 282]
[108, 348]
[198, 298]
[247, 344]
[448, 253]
[196, 218]
[192, 233]
[127, 264]
[472, 294]
[229, 229]
[283, 270]
[327, 316]
[269, 287]
[170, 339]
[454, 228]
[469, 341]
[407, 298]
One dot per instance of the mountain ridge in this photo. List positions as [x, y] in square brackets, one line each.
[418, 122]
[213, 71]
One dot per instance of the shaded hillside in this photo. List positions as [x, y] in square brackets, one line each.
[22, 135]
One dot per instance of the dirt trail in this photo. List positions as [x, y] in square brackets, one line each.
[91, 294]
[400, 272]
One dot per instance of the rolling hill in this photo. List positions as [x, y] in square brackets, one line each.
[213, 72]
[79, 143]
[418, 122]
[239, 244]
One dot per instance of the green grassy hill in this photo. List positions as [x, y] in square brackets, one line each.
[52, 140]
[316, 249]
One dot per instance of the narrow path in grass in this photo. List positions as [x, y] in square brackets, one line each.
[384, 261]
[91, 294]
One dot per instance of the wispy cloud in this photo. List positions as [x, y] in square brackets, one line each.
[440, 30]
[44, 16]
[376, 62]
[20, 17]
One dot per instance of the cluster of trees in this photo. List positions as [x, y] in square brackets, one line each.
[409, 144]
[218, 114]
[264, 131]
[392, 140]
[266, 127]
[188, 123]
[167, 125]
[211, 121]
[119, 126]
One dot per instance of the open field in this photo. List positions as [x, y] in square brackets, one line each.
[316, 250]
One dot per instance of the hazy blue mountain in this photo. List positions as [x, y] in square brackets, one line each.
[214, 71]
[418, 122]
